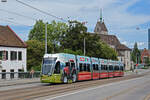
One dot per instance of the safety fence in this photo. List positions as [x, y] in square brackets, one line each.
[21, 75]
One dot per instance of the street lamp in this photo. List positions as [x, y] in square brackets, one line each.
[83, 42]
[3, 0]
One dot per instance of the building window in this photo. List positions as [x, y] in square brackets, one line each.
[3, 55]
[13, 55]
[19, 55]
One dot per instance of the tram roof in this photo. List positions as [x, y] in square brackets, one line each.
[58, 54]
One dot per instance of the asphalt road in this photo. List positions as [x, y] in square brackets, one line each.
[133, 89]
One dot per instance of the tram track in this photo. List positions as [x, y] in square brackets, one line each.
[147, 97]
[42, 91]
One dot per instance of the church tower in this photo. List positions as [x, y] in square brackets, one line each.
[100, 26]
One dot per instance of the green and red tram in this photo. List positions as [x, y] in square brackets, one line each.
[84, 68]
[103, 68]
[121, 69]
[116, 69]
[110, 69]
[95, 68]
[65, 68]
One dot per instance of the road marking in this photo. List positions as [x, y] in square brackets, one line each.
[84, 90]
[147, 97]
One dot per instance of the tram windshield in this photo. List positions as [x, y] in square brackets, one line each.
[48, 66]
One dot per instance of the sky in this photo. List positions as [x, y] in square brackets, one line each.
[122, 17]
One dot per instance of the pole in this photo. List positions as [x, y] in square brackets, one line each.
[84, 46]
[46, 38]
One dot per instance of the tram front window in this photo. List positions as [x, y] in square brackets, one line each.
[48, 66]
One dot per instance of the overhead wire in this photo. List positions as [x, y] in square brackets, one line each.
[41, 11]
[14, 22]
[14, 13]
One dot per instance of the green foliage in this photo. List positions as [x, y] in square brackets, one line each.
[78, 52]
[35, 52]
[135, 55]
[55, 30]
[73, 38]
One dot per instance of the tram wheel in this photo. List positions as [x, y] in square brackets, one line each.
[74, 77]
[65, 79]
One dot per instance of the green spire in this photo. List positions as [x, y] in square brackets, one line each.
[101, 16]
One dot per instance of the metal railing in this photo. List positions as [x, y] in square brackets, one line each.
[19, 75]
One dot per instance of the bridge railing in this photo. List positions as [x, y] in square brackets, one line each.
[21, 75]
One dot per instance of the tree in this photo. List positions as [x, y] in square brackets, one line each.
[55, 30]
[35, 52]
[135, 55]
[74, 41]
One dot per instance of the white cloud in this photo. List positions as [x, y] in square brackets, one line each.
[131, 44]
[115, 12]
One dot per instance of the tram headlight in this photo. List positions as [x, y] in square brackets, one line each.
[49, 74]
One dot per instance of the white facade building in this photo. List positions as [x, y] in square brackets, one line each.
[13, 53]
[125, 58]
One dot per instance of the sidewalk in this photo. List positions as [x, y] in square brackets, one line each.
[18, 81]
[139, 71]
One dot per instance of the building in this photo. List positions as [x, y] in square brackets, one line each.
[124, 53]
[145, 55]
[148, 39]
[100, 27]
[12, 53]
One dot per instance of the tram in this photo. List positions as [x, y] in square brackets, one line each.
[65, 68]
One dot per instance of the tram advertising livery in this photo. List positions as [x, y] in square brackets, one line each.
[68, 68]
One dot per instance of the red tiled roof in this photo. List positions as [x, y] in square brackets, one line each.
[9, 38]
[113, 40]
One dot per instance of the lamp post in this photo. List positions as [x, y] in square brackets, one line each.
[45, 38]
[3, 0]
[84, 37]
[83, 42]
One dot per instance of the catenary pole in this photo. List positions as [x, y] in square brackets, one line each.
[46, 38]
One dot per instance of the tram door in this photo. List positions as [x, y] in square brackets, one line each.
[84, 71]
[121, 71]
[104, 71]
[116, 71]
[57, 72]
[95, 71]
[57, 68]
[71, 68]
[111, 73]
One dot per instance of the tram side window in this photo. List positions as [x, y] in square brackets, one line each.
[67, 64]
[88, 67]
[81, 67]
[84, 67]
[102, 67]
[57, 68]
[121, 68]
[110, 67]
[105, 67]
[116, 68]
[72, 65]
[95, 67]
